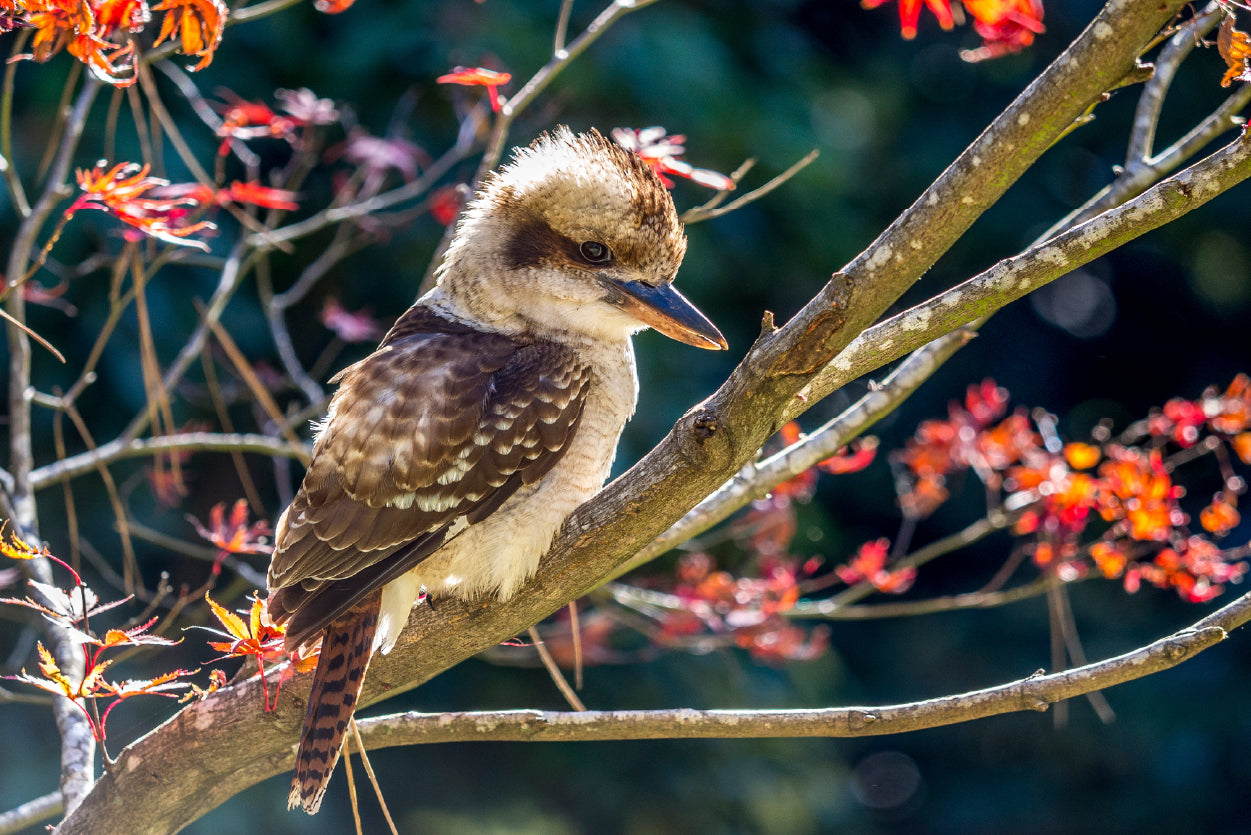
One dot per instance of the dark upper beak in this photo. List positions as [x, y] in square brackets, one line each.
[665, 309]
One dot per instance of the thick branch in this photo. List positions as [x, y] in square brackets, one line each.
[231, 713]
[1015, 277]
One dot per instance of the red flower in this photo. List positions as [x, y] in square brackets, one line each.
[258, 195]
[1006, 26]
[252, 120]
[661, 152]
[115, 15]
[445, 204]
[125, 191]
[851, 459]
[910, 13]
[869, 565]
[350, 327]
[235, 535]
[479, 77]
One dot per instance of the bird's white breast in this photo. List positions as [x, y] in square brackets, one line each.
[502, 551]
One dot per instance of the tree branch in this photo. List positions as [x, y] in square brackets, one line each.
[1037, 692]
[121, 448]
[31, 813]
[1015, 277]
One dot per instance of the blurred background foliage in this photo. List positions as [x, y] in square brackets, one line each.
[769, 79]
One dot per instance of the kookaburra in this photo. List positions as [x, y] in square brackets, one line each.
[450, 457]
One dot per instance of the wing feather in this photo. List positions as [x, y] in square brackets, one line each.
[442, 422]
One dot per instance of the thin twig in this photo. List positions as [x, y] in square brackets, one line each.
[258, 389]
[11, 177]
[369, 772]
[700, 213]
[121, 448]
[553, 670]
[562, 28]
[353, 798]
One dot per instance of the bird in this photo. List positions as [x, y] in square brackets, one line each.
[449, 457]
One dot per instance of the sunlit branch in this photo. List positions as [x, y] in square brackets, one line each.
[930, 606]
[1154, 92]
[31, 813]
[121, 448]
[1037, 693]
[1015, 277]
[77, 743]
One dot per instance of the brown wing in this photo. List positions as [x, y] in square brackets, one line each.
[431, 427]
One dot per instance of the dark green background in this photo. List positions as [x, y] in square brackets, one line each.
[770, 79]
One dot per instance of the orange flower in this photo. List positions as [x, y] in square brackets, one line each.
[254, 638]
[1235, 47]
[235, 535]
[1006, 26]
[1242, 446]
[1231, 412]
[801, 486]
[910, 13]
[1221, 516]
[199, 23]
[478, 77]
[1109, 558]
[114, 15]
[124, 191]
[1139, 490]
[55, 28]
[1082, 456]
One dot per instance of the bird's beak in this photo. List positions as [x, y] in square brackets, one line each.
[665, 309]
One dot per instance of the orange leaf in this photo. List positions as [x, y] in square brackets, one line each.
[233, 623]
[479, 77]
[17, 548]
[259, 195]
[1220, 516]
[1242, 446]
[200, 24]
[1235, 47]
[475, 76]
[1082, 456]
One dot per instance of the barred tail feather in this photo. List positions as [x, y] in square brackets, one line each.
[345, 651]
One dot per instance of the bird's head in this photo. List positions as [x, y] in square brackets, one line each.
[575, 237]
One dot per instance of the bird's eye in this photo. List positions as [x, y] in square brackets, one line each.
[595, 252]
